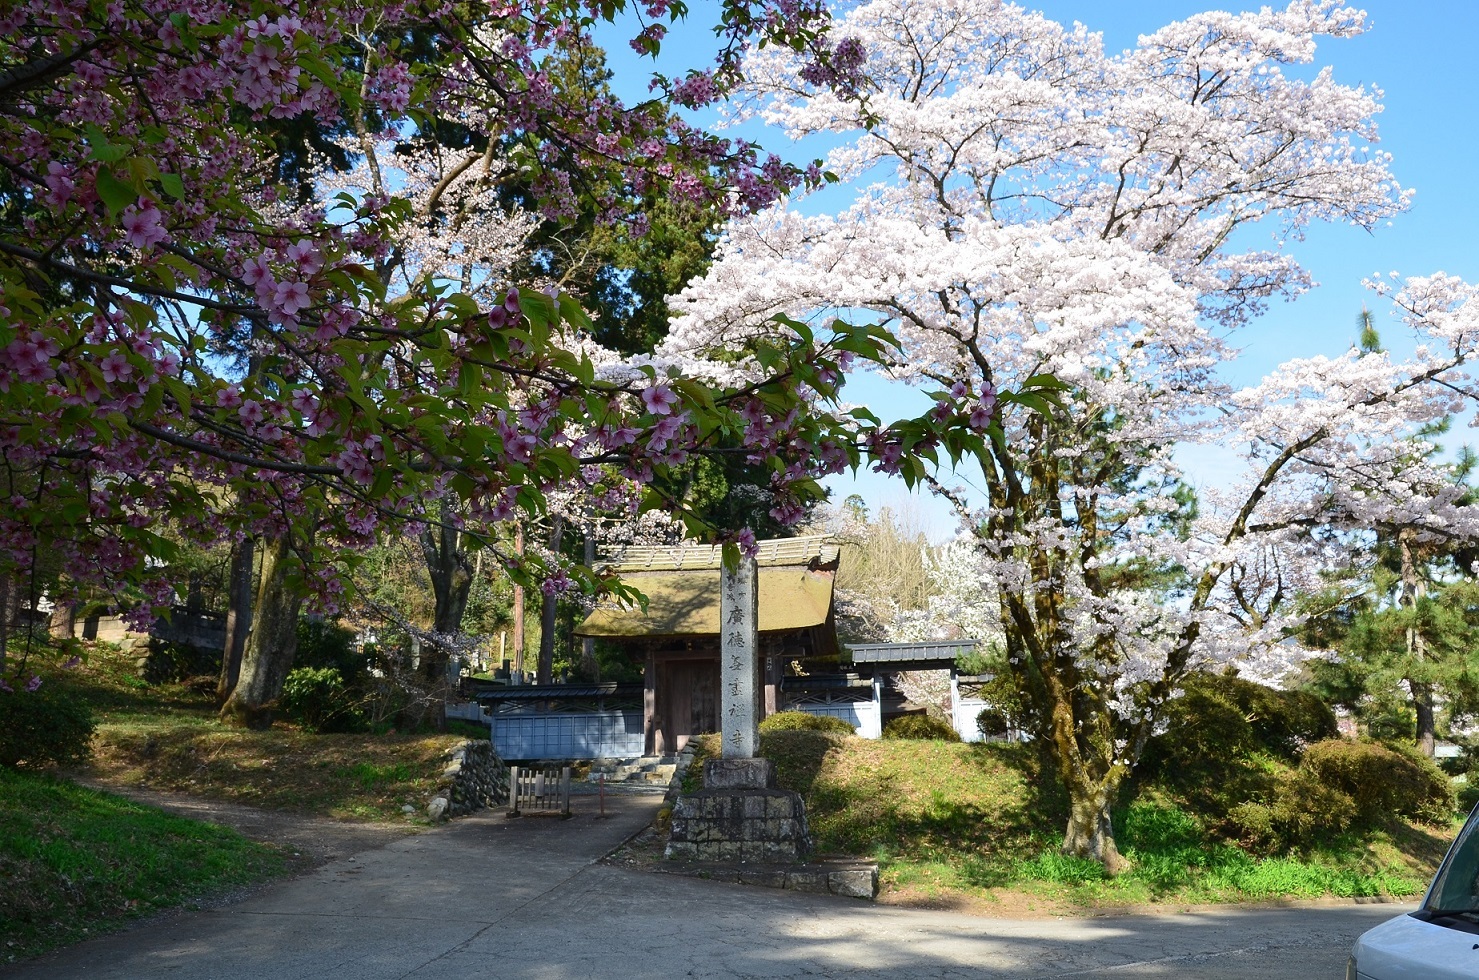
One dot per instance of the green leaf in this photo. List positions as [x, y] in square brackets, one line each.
[115, 193]
[173, 186]
[1045, 381]
[153, 402]
[103, 150]
[1032, 400]
[573, 313]
[467, 379]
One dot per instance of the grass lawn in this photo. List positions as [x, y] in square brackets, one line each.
[77, 863]
[979, 827]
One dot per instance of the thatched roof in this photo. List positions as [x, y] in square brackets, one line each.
[686, 603]
[813, 550]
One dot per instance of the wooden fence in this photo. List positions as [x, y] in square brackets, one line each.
[538, 792]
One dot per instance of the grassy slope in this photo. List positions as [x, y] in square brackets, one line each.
[167, 737]
[979, 825]
[76, 862]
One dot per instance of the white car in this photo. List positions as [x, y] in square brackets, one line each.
[1440, 941]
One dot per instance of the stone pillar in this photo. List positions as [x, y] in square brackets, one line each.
[739, 815]
[739, 615]
[650, 731]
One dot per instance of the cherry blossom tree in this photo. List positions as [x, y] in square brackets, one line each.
[1035, 214]
[143, 226]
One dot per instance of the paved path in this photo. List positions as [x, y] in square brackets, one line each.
[486, 897]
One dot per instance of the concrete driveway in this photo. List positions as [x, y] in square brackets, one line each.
[486, 897]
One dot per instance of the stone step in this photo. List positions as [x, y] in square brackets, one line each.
[645, 770]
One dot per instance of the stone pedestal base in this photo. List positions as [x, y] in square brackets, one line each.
[740, 816]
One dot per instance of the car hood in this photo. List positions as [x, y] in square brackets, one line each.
[1409, 949]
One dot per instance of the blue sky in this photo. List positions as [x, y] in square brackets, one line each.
[1418, 52]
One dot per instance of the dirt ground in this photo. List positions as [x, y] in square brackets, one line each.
[311, 841]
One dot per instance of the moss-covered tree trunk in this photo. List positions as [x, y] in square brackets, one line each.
[1090, 831]
[7, 587]
[444, 548]
[272, 645]
[1080, 740]
[1067, 704]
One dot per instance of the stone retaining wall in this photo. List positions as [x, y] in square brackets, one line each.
[475, 778]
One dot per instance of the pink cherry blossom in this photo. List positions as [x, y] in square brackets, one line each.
[115, 367]
[256, 270]
[659, 399]
[290, 297]
[143, 223]
[306, 256]
[251, 412]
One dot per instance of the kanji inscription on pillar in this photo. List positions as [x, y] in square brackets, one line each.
[738, 702]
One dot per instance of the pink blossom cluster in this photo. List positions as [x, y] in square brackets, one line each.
[185, 345]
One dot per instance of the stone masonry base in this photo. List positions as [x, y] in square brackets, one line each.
[739, 825]
[741, 828]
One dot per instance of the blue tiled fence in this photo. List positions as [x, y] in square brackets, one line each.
[583, 735]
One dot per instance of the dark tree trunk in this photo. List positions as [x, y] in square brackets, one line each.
[1413, 592]
[238, 615]
[272, 645]
[63, 623]
[1422, 704]
[451, 583]
[547, 609]
[590, 667]
[7, 590]
[518, 603]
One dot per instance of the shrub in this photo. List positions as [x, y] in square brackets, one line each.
[1219, 719]
[1300, 812]
[317, 698]
[1468, 794]
[167, 661]
[1381, 780]
[991, 723]
[921, 727]
[1284, 722]
[322, 643]
[801, 721]
[51, 725]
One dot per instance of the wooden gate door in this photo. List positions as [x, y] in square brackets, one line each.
[693, 698]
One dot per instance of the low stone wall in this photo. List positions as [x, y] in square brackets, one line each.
[852, 879]
[195, 629]
[475, 778]
[680, 770]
